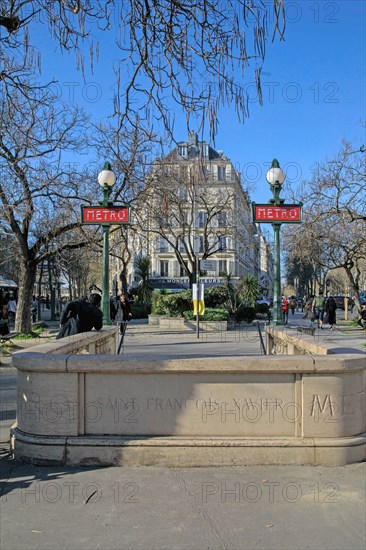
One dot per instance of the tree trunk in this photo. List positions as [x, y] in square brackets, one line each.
[39, 295]
[27, 278]
[354, 287]
[123, 279]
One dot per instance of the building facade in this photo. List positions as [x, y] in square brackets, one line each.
[195, 210]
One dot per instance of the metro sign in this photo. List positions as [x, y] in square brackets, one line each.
[271, 213]
[113, 215]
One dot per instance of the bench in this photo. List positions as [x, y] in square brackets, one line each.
[7, 337]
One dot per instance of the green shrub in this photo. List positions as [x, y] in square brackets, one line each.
[171, 304]
[216, 314]
[35, 332]
[176, 304]
[157, 306]
[211, 314]
[216, 296]
[245, 313]
[140, 311]
[262, 308]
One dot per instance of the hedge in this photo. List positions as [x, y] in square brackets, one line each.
[211, 314]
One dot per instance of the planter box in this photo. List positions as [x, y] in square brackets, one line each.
[176, 323]
[208, 326]
[179, 323]
[154, 319]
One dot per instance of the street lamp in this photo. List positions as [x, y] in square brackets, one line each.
[106, 179]
[275, 177]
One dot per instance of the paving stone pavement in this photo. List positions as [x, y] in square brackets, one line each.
[256, 507]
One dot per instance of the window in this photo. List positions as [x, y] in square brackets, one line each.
[164, 268]
[202, 216]
[199, 244]
[222, 219]
[222, 266]
[221, 173]
[163, 245]
[182, 150]
[182, 194]
[182, 271]
[222, 243]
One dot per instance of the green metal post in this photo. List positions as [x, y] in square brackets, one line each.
[277, 294]
[105, 273]
[198, 293]
[277, 298]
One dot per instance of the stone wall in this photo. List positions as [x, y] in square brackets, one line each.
[77, 407]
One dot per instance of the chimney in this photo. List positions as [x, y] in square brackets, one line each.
[193, 138]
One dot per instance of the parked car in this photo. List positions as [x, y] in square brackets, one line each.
[264, 301]
[339, 300]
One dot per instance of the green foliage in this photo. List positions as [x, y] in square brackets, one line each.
[216, 296]
[177, 304]
[140, 311]
[249, 288]
[157, 307]
[144, 289]
[211, 314]
[173, 305]
[262, 308]
[245, 313]
[35, 333]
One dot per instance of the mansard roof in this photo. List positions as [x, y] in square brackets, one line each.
[192, 149]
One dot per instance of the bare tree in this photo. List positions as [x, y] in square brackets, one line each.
[130, 152]
[339, 185]
[332, 235]
[67, 23]
[305, 255]
[188, 53]
[39, 193]
[194, 54]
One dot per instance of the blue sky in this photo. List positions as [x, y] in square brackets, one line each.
[313, 93]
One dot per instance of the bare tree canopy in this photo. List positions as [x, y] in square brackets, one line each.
[195, 54]
[39, 193]
[338, 186]
[333, 233]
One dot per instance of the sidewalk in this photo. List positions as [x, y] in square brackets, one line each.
[254, 507]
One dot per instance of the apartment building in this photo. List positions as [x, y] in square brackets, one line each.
[195, 214]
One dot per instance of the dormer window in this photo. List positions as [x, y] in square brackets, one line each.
[182, 150]
[221, 173]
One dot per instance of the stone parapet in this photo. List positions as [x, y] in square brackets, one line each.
[85, 408]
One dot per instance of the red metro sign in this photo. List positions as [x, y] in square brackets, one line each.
[113, 215]
[271, 213]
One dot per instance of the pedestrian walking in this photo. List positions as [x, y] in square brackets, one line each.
[293, 304]
[122, 314]
[330, 310]
[318, 308]
[285, 306]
